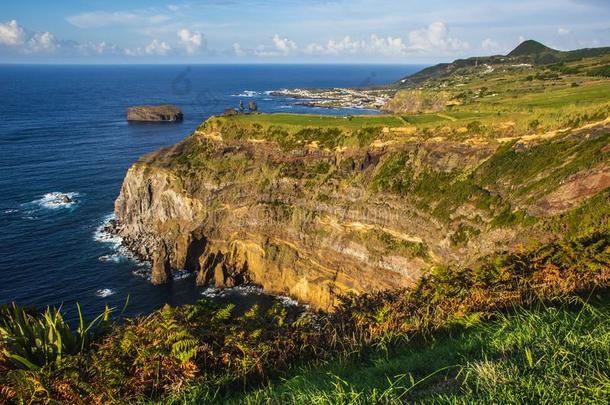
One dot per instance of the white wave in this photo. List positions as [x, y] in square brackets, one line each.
[286, 106]
[212, 292]
[181, 274]
[247, 93]
[11, 211]
[142, 272]
[57, 200]
[119, 252]
[103, 236]
[105, 292]
[287, 301]
[113, 258]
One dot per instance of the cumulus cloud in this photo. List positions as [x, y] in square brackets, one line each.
[237, 50]
[97, 48]
[11, 33]
[191, 41]
[344, 46]
[281, 47]
[19, 39]
[284, 45]
[490, 45]
[435, 38]
[154, 48]
[97, 19]
[41, 42]
[388, 46]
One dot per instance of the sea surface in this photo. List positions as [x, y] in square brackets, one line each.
[63, 131]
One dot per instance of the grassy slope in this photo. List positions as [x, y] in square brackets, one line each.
[547, 355]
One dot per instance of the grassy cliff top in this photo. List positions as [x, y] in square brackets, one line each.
[479, 103]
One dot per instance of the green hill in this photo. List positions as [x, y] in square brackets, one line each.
[528, 52]
[530, 47]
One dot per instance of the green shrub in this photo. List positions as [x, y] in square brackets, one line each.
[33, 340]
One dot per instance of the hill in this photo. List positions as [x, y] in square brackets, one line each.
[529, 52]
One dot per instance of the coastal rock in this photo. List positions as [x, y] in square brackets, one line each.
[161, 268]
[158, 113]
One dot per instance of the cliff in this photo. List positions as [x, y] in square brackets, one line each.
[314, 207]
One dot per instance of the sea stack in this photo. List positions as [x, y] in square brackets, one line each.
[154, 113]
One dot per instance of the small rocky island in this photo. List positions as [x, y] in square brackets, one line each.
[154, 113]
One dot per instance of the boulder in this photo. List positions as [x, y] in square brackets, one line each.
[252, 106]
[154, 113]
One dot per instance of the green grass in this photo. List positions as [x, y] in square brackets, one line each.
[424, 119]
[545, 355]
[320, 121]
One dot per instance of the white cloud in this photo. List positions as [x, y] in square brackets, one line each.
[435, 38]
[284, 45]
[22, 40]
[97, 19]
[191, 41]
[332, 47]
[11, 33]
[157, 48]
[564, 31]
[154, 48]
[41, 42]
[97, 48]
[281, 47]
[387, 46]
[237, 49]
[490, 45]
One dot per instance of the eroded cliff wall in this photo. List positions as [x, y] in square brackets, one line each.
[239, 204]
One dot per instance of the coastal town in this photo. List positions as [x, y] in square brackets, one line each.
[366, 98]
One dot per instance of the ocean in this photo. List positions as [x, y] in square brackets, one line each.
[63, 130]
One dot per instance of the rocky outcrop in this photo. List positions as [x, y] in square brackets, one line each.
[235, 208]
[154, 113]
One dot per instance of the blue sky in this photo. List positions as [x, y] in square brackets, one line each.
[290, 31]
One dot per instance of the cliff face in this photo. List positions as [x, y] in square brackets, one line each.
[237, 204]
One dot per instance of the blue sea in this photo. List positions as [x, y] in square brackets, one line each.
[63, 131]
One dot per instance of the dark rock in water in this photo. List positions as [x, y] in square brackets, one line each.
[66, 199]
[252, 106]
[154, 113]
[161, 269]
[241, 106]
[229, 111]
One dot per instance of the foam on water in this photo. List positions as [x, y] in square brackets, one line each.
[105, 292]
[212, 292]
[119, 253]
[55, 200]
[247, 93]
